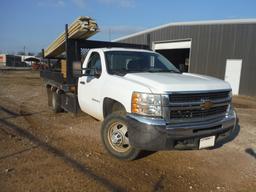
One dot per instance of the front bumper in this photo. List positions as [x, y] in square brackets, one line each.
[155, 134]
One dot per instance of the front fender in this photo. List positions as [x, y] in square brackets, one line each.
[120, 90]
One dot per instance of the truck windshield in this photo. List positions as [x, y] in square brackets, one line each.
[123, 62]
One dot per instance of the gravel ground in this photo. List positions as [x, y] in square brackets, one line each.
[43, 151]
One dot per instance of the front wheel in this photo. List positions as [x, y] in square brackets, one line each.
[114, 133]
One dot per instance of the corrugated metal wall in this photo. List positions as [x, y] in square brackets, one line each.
[211, 46]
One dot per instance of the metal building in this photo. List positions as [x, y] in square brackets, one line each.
[224, 49]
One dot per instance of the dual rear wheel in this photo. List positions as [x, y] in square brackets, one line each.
[54, 100]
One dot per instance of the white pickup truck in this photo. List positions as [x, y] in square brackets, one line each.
[146, 103]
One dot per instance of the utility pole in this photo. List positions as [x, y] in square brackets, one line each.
[24, 48]
[109, 34]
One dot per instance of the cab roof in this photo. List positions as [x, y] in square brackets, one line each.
[122, 49]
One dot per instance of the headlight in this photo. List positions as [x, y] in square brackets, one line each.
[146, 104]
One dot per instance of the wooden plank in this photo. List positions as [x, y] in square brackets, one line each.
[82, 28]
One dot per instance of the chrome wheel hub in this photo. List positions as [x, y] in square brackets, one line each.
[118, 137]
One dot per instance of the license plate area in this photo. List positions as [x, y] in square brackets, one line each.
[206, 142]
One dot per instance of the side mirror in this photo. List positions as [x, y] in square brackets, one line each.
[91, 72]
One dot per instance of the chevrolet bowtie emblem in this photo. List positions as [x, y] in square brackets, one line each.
[206, 105]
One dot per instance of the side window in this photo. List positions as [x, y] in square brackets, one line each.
[95, 62]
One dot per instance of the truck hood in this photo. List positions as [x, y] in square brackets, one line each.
[172, 82]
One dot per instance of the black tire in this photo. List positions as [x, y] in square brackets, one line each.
[124, 151]
[49, 95]
[56, 102]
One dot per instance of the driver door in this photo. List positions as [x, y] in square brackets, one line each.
[89, 86]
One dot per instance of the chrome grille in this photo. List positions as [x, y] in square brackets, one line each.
[194, 97]
[197, 113]
[189, 107]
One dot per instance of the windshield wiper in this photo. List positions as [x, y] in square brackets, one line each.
[119, 73]
[162, 70]
[174, 71]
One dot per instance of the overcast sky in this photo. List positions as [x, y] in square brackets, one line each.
[35, 23]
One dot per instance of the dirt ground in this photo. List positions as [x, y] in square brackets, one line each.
[43, 151]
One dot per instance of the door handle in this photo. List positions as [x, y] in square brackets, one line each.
[82, 82]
